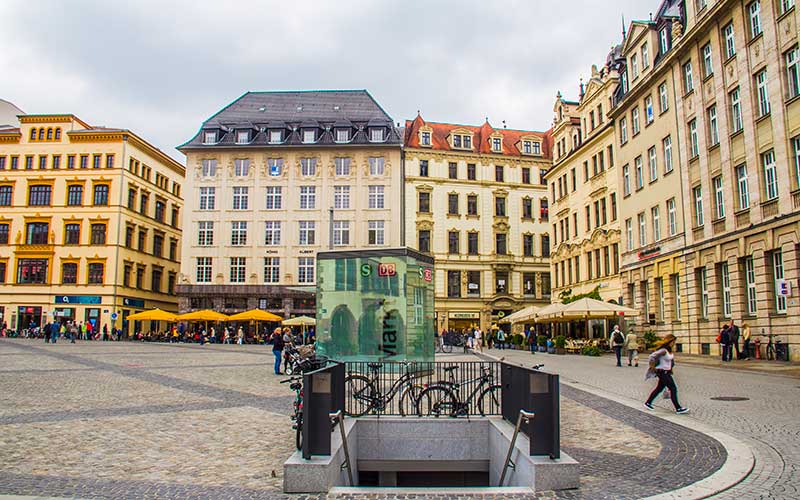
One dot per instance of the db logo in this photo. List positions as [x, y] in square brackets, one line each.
[428, 275]
[387, 270]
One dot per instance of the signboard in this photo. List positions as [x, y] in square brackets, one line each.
[275, 169]
[77, 299]
[465, 315]
[649, 253]
[366, 270]
[784, 287]
[113, 316]
[133, 302]
[387, 270]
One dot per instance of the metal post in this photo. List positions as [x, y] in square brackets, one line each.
[330, 229]
[346, 465]
[523, 415]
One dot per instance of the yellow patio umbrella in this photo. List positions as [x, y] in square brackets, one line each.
[303, 321]
[256, 315]
[204, 315]
[152, 315]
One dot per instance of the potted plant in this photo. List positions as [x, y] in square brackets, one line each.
[541, 342]
[560, 344]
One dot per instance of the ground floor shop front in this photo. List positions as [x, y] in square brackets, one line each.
[464, 314]
[285, 301]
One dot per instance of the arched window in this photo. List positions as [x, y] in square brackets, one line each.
[41, 134]
[33, 134]
[58, 133]
[49, 134]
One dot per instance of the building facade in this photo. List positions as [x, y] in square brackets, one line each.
[90, 226]
[707, 119]
[476, 199]
[275, 177]
[585, 229]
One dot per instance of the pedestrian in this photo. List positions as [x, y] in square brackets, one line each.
[226, 336]
[479, 339]
[240, 336]
[617, 342]
[501, 339]
[724, 340]
[277, 349]
[632, 346]
[733, 331]
[746, 340]
[47, 333]
[531, 339]
[662, 362]
[213, 335]
[105, 332]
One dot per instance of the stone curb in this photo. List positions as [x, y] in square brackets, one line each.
[737, 466]
[23, 497]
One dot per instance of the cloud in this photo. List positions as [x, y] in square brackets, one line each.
[161, 68]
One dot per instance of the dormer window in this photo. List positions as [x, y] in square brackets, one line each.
[537, 148]
[425, 139]
[664, 40]
[309, 136]
[242, 137]
[497, 144]
[526, 147]
[467, 142]
[376, 135]
[210, 137]
[275, 136]
[342, 135]
[456, 141]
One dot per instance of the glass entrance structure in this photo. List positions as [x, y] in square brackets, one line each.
[375, 305]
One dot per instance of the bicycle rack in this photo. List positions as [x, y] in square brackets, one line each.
[527, 416]
[338, 415]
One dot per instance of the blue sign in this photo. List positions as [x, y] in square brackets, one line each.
[78, 299]
[133, 302]
[275, 169]
[113, 316]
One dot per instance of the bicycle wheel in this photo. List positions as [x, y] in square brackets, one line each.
[298, 436]
[359, 394]
[435, 402]
[408, 400]
[489, 401]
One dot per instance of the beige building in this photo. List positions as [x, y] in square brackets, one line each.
[583, 182]
[708, 124]
[89, 229]
[275, 177]
[476, 200]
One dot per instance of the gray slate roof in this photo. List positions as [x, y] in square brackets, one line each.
[293, 110]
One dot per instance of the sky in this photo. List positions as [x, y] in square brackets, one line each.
[160, 68]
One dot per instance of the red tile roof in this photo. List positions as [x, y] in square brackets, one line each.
[480, 137]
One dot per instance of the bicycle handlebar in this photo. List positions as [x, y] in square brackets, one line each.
[292, 379]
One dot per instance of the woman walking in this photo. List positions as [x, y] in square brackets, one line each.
[277, 349]
[662, 361]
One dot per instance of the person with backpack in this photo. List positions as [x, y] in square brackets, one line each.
[617, 342]
[277, 348]
[662, 362]
[501, 339]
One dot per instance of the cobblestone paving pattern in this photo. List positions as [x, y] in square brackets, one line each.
[187, 421]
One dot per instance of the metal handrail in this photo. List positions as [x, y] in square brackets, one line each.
[338, 415]
[527, 416]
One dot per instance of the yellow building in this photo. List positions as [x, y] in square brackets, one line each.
[476, 199]
[584, 189]
[89, 224]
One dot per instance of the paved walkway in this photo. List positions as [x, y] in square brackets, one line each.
[768, 420]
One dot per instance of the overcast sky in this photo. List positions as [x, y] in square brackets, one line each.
[160, 68]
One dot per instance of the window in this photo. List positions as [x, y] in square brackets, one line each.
[143, 200]
[501, 247]
[667, 145]
[425, 138]
[238, 269]
[341, 233]
[770, 175]
[205, 233]
[688, 81]
[242, 136]
[140, 277]
[642, 230]
[500, 206]
[69, 273]
[730, 41]
[375, 232]
[423, 168]
[238, 233]
[474, 283]
[29, 163]
[634, 69]
[498, 173]
[785, 5]
[623, 131]
[467, 142]
[272, 233]
[131, 198]
[101, 195]
[736, 110]
[623, 78]
[471, 171]
[173, 249]
[39, 195]
[376, 197]
[275, 167]
[655, 216]
[424, 202]
[452, 242]
[341, 197]
[698, 206]
[527, 245]
[452, 170]
[743, 188]
[207, 198]
[75, 195]
[639, 173]
[342, 135]
[796, 160]
[777, 270]
[626, 180]
[454, 284]
[96, 271]
[653, 162]
[726, 289]
[635, 120]
[629, 234]
[755, 18]
[672, 217]
[309, 136]
[142, 239]
[645, 58]
[37, 233]
[527, 208]
[209, 168]
[241, 168]
[497, 144]
[713, 129]
[275, 136]
[703, 282]
[307, 232]
[342, 167]
[472, 204]
[98, 234]
[648, 110]
[376, 165]
[663, 40]
[763, 93]
[241, 196]
[613, 197]
[42, 162]
[308, 167]
[203, 270]
[693, 139]
[792, 72]
[158, 244]
[210, 137]
[452, 204]
[676, 291]
[5, 196]
[32, 271]
[129, 236]
[272, 269]
[273, 198]
[305, 269]
[96, 161]
[701, 4]
[376, 135]
[708, 64]
[750, 281]
[4, 229]
[424, 241]
[308, 197]
[719, 197]
[161, 209]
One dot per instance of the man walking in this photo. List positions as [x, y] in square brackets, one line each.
[632, 346]
[617, 342]
[733, 331]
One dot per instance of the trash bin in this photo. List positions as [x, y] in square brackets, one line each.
[781, 351]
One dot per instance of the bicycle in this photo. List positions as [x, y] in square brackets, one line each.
[444, 397]
[297, 386]
[771, 347]
[363, 396]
